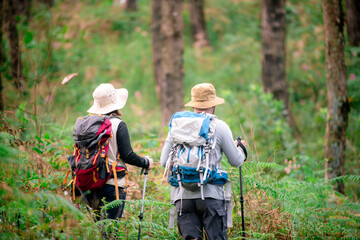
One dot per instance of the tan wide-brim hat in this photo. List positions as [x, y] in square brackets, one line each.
[108, 99]
[204, 96]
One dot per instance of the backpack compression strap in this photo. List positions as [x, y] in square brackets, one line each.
[115, 179]
[228, 204]
[172, 209]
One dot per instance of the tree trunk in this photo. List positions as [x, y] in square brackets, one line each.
[50, 3]
[338, 104]
[22, 7]
[198, 24]
[12, 34]
[168, 55]
[1, 57]
[157, 40]
[274, 54]
[353, 21]
[130, 5]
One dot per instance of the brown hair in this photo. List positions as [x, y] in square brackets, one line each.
[115, 112]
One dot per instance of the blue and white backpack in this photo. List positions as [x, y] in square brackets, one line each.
[192, 158]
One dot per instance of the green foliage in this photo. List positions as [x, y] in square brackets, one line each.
[26, 213]
[286, 196]
[152, 226]
[29, 210]
[313, 207]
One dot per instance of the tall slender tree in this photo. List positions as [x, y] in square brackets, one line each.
[22, 7]
[273, 26]
[157, 40]
[168, 55]
[198, 24]
[50, 3]
[353, 21]
[10, 13]
[338, 104]
[130, 5]
[1, 57]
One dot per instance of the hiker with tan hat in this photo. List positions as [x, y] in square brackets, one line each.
[192, 156]
[102, 150]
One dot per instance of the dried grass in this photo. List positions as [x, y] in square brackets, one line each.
[264, 216]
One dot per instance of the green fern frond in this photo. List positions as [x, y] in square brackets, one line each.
[154, 203]
[134, 203]
[130, 228]
[157, 227]
[351, 178]
[254, 167]
[113, 204]
[349, 207]
[57, 201]
[274, 192]
[105, 222]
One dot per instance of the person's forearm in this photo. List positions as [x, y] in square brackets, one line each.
[125, 150]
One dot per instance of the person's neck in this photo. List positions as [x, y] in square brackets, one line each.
[207, 110]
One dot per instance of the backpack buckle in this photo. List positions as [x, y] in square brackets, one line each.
[181, 171]
[102, 153]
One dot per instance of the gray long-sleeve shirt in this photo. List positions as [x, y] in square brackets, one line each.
[224, 144]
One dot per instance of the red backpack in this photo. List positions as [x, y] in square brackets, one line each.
[89, 163]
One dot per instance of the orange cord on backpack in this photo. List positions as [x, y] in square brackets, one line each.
[74, 188]
[115, 179]
[67, 175]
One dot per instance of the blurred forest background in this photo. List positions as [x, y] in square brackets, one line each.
[289, 72]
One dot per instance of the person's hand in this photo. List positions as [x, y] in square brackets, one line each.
[242, 141]
[151, 162]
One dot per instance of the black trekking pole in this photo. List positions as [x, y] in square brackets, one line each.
[242, 204]
[241, 188]
[141, 216]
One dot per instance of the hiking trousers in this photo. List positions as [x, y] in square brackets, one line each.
[202, 219]
[94, 200]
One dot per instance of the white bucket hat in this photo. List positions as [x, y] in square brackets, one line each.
[108, 99]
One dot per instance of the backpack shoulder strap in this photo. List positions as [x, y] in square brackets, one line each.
[113, 153]
[115, 121]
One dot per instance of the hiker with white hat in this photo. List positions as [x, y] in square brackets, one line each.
[201, 210]
[107, 102]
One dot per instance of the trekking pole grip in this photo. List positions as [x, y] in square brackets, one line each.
[239, 144]
[144, 171]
